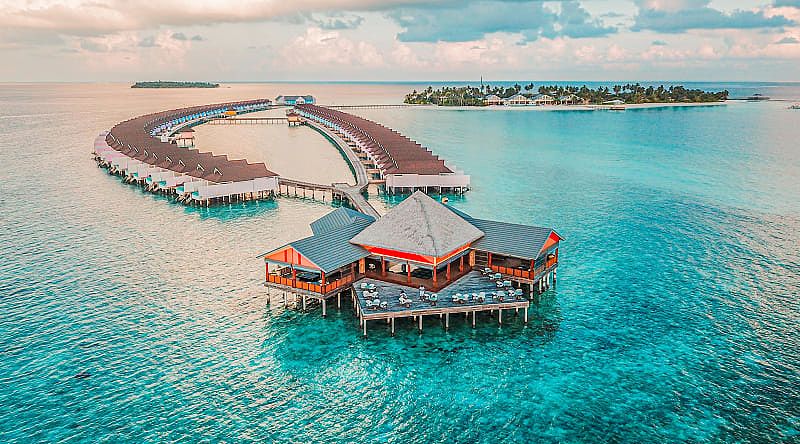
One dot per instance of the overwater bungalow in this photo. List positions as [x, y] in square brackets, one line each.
[399, 162]
[421, 258]
[140, 149]
[295, 100]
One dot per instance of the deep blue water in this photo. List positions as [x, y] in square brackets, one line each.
[675, 317]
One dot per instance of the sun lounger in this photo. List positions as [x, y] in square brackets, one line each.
[364, 286]
[498, 276]
[456, 297]
[506, 283]
[481, 297]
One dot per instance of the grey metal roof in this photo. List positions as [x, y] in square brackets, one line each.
[332, 249]
[419, 225]
[338, 218]
[522, 241]
[507, 239]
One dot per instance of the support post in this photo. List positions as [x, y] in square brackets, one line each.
[365, 327]
[392, 326]
[339, 300]
[324, 308]
[500, 316]
[473, 318]
[304, 302]
[526, 315]
[447, 321]
[420, 322]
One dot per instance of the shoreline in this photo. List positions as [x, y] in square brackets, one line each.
[569, 107]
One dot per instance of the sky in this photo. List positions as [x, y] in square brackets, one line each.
[405, 40]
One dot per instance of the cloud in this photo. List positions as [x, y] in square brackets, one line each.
[682, 15]
[318, 47]
[462, 22]
[788, 41]
[576, 22]
[183, 38]
[148, 42]
[338, 21]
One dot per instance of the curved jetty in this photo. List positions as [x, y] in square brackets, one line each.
[401, 163]
[155, 150]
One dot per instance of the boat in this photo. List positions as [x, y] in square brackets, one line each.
[795, 106]
[617, 108]
[757, 97]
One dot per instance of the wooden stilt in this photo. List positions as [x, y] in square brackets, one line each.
[447, 321]
[324, 304]
[473, 319]
[420, 322]
[392, 326]
[500, 317]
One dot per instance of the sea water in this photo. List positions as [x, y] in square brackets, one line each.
[675, 316]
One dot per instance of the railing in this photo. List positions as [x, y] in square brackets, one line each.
[513, 272]
[524, 274]
[310, 286]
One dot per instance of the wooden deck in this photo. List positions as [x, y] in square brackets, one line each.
[473, 282]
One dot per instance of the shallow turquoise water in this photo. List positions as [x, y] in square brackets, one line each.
[675, 317]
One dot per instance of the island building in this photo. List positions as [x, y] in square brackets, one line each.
[493, 99]
[516, 99]
[399, 163]
[421, 258]
[294, 100]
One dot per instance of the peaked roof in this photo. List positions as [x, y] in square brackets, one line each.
[419, 225]
[332, 249]
[338, 218]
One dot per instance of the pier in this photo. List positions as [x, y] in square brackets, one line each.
[370, 106]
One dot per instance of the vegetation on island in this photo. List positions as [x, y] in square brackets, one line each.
[171, 84]
[629, 94]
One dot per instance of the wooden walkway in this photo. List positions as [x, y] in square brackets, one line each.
[353, 193]
[372, 106]
[245, 120]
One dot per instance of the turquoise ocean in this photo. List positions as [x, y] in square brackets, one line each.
[128, 318]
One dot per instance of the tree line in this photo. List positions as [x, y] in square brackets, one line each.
[628, 93]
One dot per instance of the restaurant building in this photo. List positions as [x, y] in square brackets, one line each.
[420, 243]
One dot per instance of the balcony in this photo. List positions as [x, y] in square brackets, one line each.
[311, 286]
